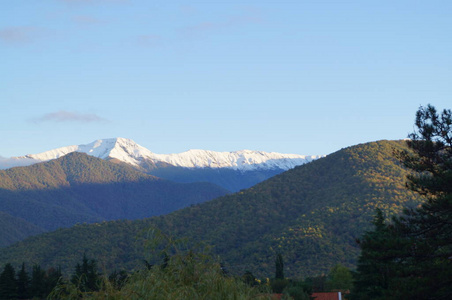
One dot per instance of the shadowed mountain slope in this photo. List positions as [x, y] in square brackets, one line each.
[79, 188]
[14, 229]
[311, 214]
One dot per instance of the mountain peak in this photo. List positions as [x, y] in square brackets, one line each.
[126, 150]
[123, 149]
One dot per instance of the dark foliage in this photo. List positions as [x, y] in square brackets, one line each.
[410, 258]
[279, 267]
[42, 282]
[8, 283]
[86, 276]
[23, 284]
[119, 279]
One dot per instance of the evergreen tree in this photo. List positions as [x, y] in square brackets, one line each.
[86, 276]
[52, 278]
[166, 260]
[279, 267]
[8, 283]
[37, 282]
[411, 257]
[379, 262]
[23, 283]
[430, 225]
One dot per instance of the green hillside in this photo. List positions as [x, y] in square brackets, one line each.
[311, 215]
[79, 188]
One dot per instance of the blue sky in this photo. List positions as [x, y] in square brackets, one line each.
[305, 77]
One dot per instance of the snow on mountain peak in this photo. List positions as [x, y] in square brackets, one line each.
[122, 149]
[238, 160]
[128, 151]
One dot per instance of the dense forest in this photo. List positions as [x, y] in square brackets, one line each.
[311, 214]
[78, 188]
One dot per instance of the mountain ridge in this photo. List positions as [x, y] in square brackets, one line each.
[128, 151]
[233, 171]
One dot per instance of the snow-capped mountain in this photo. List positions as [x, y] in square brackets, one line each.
[232, 170]
[128, 151]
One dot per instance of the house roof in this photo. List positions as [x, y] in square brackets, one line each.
[327, 296]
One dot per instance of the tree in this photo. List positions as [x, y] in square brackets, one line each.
[378, 262]
[249, 278]
[340, 278]
[23, 283]
[431, 224]
[413, 254]
[189, 274]
[279, 267]
[297, 290]
[86, 276]
[53, 277]
[37, 282]
[8, 283]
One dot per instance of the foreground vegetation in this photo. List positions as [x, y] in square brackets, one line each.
[186, 275]
[181, 274]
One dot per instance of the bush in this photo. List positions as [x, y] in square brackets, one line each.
[186, 274]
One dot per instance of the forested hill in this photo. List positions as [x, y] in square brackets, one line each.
[311, 215]
[13, 229]
[79, 188]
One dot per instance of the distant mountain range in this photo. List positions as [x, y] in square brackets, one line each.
[78, 188]
[231, 170]
[311, 214]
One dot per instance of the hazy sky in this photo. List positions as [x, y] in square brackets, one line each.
[305, 77]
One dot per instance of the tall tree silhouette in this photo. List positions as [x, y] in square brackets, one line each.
[416, 248]
[279, 267]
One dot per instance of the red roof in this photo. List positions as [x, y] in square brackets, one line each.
[326, 296]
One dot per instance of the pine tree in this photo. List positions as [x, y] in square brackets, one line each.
[23, 283]
[8, 283]
[411, 258]
[379, 261]
[431, 224]
[279, 267]
[52, 278]
[86, 276]
[37, 282]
